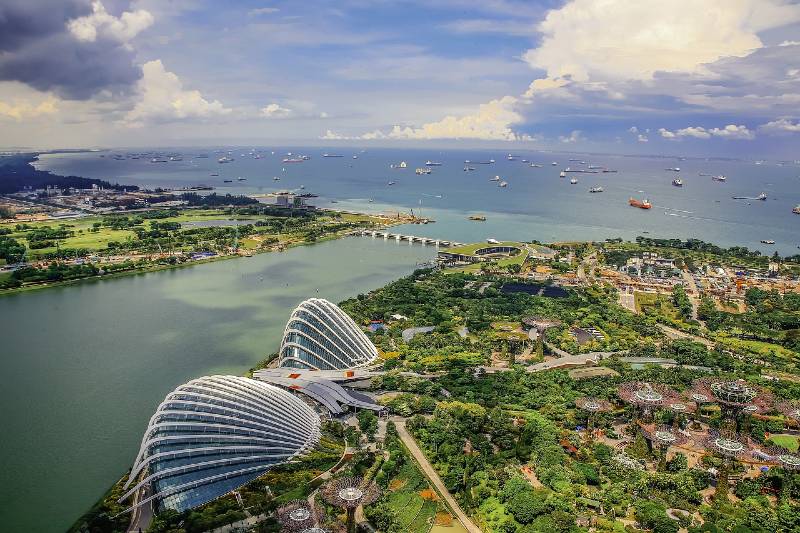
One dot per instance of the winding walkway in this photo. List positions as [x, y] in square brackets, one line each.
[431, 474]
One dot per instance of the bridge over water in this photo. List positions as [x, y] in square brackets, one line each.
[411, 239]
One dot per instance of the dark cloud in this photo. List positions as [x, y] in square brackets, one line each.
[37, 49]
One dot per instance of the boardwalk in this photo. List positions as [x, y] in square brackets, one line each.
[431, 474]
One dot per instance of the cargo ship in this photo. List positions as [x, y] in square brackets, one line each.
[641, 204]
[719, 178]
[293, 160]
[596, 189]
[430, 163]
[478, 218]
[796, 210]
[423, 170]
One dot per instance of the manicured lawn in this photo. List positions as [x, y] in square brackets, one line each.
[790, 442]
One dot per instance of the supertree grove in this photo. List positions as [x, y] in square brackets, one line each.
[349, 493]
[661, 438]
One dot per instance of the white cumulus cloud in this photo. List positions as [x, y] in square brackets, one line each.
[102, 23]
[622, 40]
[23, 110]
[274, 110]
[781, 126]
[574, 137]
[731, 131]
[163, 98]
[492, 121]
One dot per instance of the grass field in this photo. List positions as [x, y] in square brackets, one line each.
[790, 442]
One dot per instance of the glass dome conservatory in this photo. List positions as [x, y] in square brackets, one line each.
[213, 435]
[320, 336]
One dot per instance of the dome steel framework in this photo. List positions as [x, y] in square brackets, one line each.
[214, 434]
[320, 336]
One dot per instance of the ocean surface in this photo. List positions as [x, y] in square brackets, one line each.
[536, 204]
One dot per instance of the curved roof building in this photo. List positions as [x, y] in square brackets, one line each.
[213, 435]
[320, 336]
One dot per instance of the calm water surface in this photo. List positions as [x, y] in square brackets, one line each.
[85, 366]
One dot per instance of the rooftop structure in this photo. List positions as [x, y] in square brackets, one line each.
[320, 336]
[213, 435]
[320, 386]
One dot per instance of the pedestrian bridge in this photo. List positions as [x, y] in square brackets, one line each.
[411, 239]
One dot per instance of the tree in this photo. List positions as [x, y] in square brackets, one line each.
[526, 505]
[368, 423]
[677, 463]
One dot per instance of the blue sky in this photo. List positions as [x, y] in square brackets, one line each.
[695, 77]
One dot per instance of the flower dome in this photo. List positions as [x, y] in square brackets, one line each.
[213, 435]
[320, 336]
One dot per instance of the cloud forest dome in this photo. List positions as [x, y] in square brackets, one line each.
[213, 435]
[320, 336]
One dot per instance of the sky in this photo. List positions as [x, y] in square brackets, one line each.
[689, 77]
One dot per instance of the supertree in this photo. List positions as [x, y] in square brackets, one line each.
[297, 515]
[735, 398]
[680, 408]
[592, 406]
[731, 448]
[348, 493]
[645, 397]
[661, 438]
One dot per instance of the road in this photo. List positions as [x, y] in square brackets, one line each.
[431, 474]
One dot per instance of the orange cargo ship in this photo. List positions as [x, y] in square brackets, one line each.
[641, 204]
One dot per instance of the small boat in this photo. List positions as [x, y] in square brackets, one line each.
[573, 181]
[762, 197]
[158, 160]
[796, 210]
[224, 159]
[176, 158]
[331, 155]
[468, 168]
[241, 179]
[355, 157]
[609, 171]
[767, 241]
[402, 164]
[511, 157]
[276, 178]
[641, 204]
[496, 178]
[503, 184]
[534, 165]
[596, 189]
[227, 181]
[525, 161]
[293, 160]
[719, 177]
[215, 174]
[673, 169]
[430, 163]
[302, 186]
[563, 174]
[677, 182]
[478, 218]
[554, 164]
[391, 183]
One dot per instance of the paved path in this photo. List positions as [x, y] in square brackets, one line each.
[431, 474]
[627, 300]
[673, 333]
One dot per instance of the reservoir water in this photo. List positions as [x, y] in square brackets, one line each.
[85, 366]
